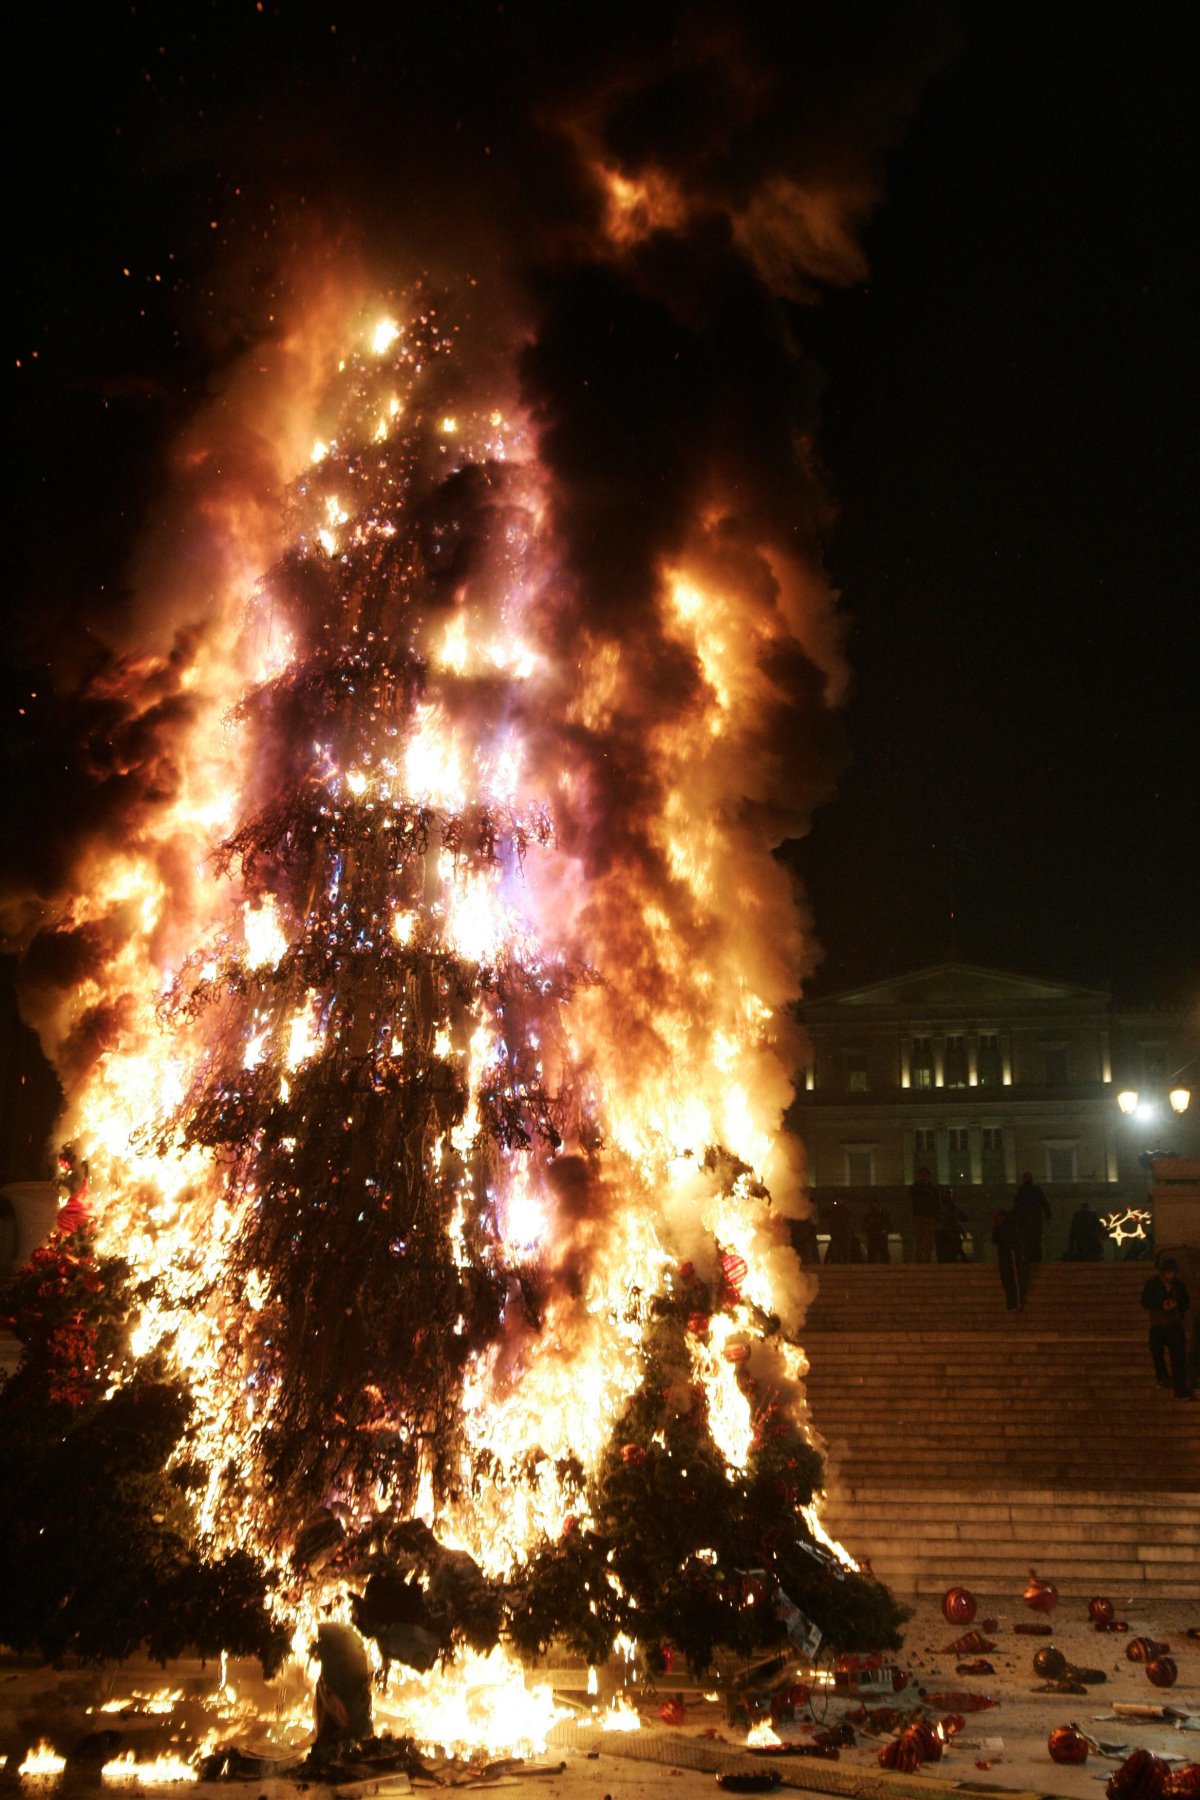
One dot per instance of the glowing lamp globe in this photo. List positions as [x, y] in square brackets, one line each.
[1162, 1671]
[1067, 1745]
[1127, 1100]
[958, 1605]
[1040, 1596]
[1100, 1610]
[1180, 1098]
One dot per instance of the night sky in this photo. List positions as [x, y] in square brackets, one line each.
[1006, 404]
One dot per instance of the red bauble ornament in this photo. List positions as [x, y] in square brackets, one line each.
[633, 1453]
[1040, 1596]
[686, 1271]
[698, 1323]
[901, 1754]
[1112, 1624]
[1101, 1610]
[1067, 1745]
[1162, 1671]
[1145, 1649]
[1141, 1776]
[924, 1736]
[1049, 1662]
[736, 1353]
[951, 1725]
[1184, 1781]
[958, 1605]
[672, 1712]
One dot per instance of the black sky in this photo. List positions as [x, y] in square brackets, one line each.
[1010, 427]
[1008, 430]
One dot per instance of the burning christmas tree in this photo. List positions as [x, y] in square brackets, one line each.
[445, 1149]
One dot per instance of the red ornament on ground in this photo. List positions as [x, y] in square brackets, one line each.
[900, 1754]
[1049, 1662]
[1145, 1649]
[1101, 1610]
[672, 1712]
[1112, 1624]
[958, 1605]
[1184, 1781]
[951, 1725]
[924, 1735]
[1141, 1776]
[1067, 1745]
[1040, 1596]
[1162, 1671]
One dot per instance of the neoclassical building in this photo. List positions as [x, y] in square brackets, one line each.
[980, 1074]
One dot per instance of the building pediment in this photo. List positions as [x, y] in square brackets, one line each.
[948, 987]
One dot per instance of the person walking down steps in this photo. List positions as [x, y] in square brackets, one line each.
[1167, 1301]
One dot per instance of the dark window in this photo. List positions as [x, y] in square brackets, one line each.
[959, 1158]
[1055, 1061]
[857, 1077]
[922, 1062]
[925, 1148]
[1060, 1162]
[956, 1062]
[992, 1148]
[860, 1168]
[990, 1073]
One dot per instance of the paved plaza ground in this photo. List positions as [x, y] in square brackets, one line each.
[1002, 1749]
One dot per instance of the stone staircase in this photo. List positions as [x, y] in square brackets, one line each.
[966, 1443]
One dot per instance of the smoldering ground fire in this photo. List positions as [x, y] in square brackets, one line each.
[420, 985]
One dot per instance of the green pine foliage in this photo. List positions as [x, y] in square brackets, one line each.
[98, 1551]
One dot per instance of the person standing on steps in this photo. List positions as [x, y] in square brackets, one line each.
[1031, 1210]
[923, 1197]
[1167, 1301]
[1014, 1270]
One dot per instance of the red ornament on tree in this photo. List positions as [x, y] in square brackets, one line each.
[1067, 1745]
[736, 1353]
[1040, 1596]
[1162, 1671]
[1141, 1776]
[698, 1323]
[632, 1453]
[1101, 1610]
[735, 1269]
[958, 1605]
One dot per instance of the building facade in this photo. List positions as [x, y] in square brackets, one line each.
[979, 1075]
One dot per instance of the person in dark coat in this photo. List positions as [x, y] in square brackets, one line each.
[877, 1227]
[948, 1239]
[1031, 1210]
[923, 1197]
[1166, 1300]
[1087, 1236]
[1014, 1270]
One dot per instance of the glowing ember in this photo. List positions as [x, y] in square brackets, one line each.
[127, 1769]
[42, 1761]
[620, 1716]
